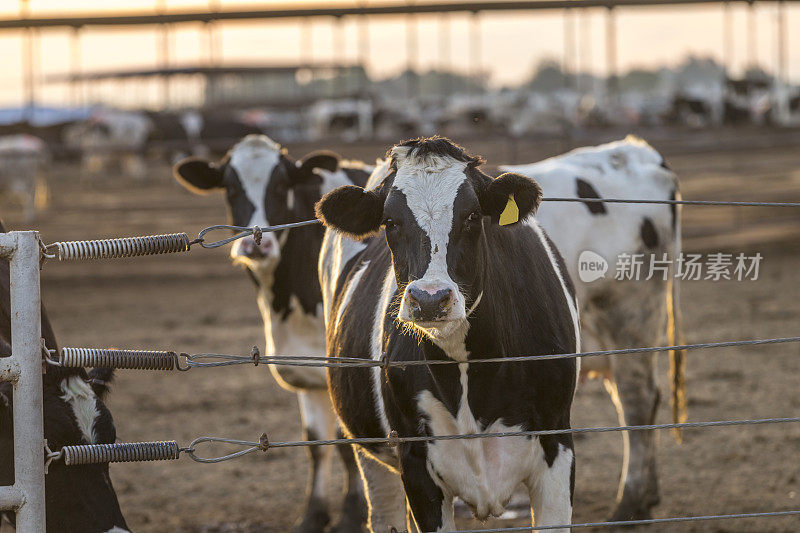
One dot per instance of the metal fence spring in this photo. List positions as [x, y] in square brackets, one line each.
[130, 359]
[121, 247]
[126, 452]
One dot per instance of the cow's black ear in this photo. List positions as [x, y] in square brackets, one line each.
[198, 175]
[351, 210]
[100, 379]
[321, 159]
[510, 198]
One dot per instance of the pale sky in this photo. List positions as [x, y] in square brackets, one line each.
[512, 42]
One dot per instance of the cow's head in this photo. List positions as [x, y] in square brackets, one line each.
[434, 205]
[263, 187]
[77, 498]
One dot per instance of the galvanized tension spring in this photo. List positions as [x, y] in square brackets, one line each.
[155, 244]
[129, 452]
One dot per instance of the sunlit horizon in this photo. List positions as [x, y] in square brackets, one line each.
[512, 43]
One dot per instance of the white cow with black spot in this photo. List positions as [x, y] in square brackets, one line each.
[619, 314]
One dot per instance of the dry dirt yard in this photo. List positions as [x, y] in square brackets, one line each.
[197, 302]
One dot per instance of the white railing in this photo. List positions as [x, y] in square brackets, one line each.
[24, 370]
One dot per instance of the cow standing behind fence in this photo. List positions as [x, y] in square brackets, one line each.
[264, 187]
[617, 314]
[453, 268]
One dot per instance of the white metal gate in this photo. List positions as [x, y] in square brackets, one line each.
[24, 370]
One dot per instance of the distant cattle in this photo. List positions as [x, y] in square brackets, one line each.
[622, 313]
[77, 498]
[24, 160]
[264, 186]
[439, 262]
[110, 140]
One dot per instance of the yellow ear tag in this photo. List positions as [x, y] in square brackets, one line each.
[511, 213]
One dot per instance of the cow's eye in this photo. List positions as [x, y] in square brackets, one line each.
[389, 224]
[474, 217]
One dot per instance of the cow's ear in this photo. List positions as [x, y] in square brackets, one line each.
[198, 175]
[100, 379]
[510, 198]
[351, 210]
[321, 159]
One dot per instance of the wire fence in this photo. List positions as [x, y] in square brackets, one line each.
[169, 360]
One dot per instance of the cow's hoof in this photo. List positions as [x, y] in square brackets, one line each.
[354, 515]
[630, 512]
[315, 519]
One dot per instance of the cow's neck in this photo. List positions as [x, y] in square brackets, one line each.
[290, 299]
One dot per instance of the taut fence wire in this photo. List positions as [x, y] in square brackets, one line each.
[170, 360]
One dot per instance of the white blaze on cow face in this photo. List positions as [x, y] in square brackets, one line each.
[254, 160]
[430, 185]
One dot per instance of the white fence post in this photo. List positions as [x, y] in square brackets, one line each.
[24, 368]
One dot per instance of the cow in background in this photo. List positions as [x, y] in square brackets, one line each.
[619, 314]
[77, 498]
[23, 164]
[263, 187]
[111, 138]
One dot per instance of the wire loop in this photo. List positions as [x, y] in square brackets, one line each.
[262, 445]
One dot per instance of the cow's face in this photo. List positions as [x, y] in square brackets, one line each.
[77, 498]
[434, 206]
[261, 186]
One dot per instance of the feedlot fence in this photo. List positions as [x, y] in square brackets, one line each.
[26, 254]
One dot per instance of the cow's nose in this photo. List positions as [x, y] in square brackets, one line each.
[250, 249]
[429, 306]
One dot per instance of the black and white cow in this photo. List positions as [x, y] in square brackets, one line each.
[77, 498]
[265, 187]
[432, 275]
[23, 163]
[617, 314]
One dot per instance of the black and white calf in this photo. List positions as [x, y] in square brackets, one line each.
[619, 314]
[265, 187]
[432, 275]
[77, 498]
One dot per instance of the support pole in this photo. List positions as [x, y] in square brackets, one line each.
[781, 82]
[75, 68]
[26, 333]
[412, 50]
[569, 65]
[476, 49]
[727, 39]
[752, 36]
[445, 56]
[612, 81]
[342, 76]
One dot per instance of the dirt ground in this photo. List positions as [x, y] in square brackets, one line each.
[198, 302]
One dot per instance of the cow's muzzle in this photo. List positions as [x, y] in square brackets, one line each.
[429, 304]
[246, 250]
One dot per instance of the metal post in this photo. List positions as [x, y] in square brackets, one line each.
[445, 55]
[25, 364]
[611, 55]
[76, 94]
[569, 66]
[585, 51]
[412, 50]
[475, 50]
[752, 36]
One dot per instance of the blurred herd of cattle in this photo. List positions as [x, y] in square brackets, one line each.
[123, 141]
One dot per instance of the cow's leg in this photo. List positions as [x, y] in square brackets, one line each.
[431, 508]
[636, 397]
[550, 490]
[354, 508]
[319, 423]
[386, 500]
